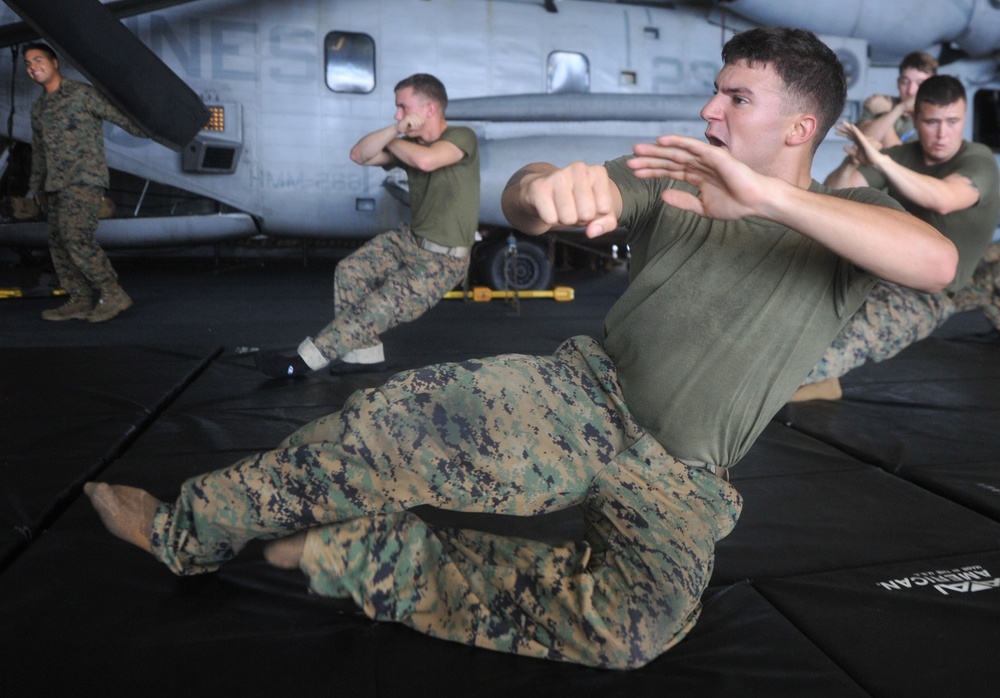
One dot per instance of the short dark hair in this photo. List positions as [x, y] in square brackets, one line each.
[918, 60]
[939, 90]
[39, 46]
[809, 68]
[426, 85]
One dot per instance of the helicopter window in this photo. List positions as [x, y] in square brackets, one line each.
[568, 72]
[986, 118]
[350, 62]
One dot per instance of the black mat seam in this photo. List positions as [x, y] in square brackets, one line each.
[118, 449]
[892, 473]
[819, 648]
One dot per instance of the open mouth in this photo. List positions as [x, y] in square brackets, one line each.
[712, 140]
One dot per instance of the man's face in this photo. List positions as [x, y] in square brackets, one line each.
[409, 102]
[749, 115]
[40, 67]
[939, 128]
[909, 80]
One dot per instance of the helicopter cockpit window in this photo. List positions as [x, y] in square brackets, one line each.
[568, 72]
[350, 62]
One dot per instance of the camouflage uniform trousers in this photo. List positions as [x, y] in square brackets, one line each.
[387, 281]
[514, 434]
[892, 318]
[983, 290]
[79, 261]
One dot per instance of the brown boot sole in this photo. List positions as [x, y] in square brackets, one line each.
[76, 309]
[52, 317]
[102, 313]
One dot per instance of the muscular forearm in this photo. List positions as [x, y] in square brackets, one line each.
[941, 195]
[426, 158]
[372, 147]
[891, 244]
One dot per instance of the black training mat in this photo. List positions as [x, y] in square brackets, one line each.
[919, 628]
[68, 412]
[865, 562]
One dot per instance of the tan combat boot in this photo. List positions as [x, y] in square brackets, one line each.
[76, 308]
[113, 301]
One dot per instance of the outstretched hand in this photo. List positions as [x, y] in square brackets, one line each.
[728, 189]
[865, 151]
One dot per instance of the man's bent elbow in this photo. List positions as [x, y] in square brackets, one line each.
[942, 268]
[359, 156]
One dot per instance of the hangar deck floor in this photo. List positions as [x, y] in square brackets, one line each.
[866, 562]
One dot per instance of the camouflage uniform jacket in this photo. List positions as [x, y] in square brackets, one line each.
[68, 137]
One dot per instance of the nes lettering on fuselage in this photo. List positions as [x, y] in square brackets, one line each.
[292, 84]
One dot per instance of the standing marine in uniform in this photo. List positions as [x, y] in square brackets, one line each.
[69, 173]
[399, 275]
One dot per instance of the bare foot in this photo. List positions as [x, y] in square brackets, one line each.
[286, 553]
[821, 390]
[127, 512]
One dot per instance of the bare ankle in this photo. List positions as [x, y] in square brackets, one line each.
[828, 389]
[127, 512]
[286, 553]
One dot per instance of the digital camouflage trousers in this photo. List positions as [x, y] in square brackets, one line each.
[514, 434]
[387, 281]
[79, 261]
[983, 291]
[894, 317]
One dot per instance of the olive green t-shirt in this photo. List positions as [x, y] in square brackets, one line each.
[971, 229]
[445, 202]
[722, 320]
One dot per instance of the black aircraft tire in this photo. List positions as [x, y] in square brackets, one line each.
[531, 270]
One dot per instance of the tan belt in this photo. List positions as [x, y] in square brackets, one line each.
[457, 252]
[716, 470]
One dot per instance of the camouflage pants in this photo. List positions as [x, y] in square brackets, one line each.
[892, 318]
[387, 281]
[512, 434]
[983, 290]
[79, 261]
